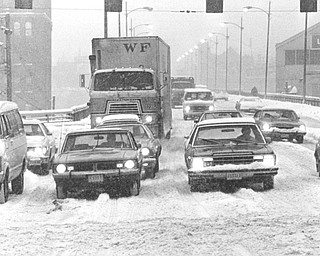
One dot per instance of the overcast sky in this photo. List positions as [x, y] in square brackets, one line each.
[76, 22]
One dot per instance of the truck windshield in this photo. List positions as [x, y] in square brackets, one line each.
[123, 81]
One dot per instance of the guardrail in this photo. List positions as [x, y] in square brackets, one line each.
[75, 113]
[314, 101]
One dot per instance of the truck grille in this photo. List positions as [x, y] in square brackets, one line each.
[123, 108]
[239, 158]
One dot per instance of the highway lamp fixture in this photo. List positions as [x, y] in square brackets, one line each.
[147, 8]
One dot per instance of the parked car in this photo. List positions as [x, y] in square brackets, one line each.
[280, 123]
[41, 146]
[228, 152]
[98, 160]
[150, 146]
[224, 113]
[195, 101]
[249, 105]
[13, 150]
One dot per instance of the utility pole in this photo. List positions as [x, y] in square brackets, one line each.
[8, 33]
[105, 18]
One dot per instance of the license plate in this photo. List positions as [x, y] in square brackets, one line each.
[233, 176]
[95, 178]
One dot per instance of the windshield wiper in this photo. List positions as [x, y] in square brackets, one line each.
[211, 140]
[244, 141]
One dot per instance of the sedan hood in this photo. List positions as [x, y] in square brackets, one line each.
[284, 123]
[95, 156]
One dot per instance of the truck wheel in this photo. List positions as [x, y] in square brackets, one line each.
[18, 183]
[135, 188]
[268, 183]
[299, 139]
[61, 191]
[4, 191]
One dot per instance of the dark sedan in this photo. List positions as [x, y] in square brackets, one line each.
[280, 123]
[100, 160]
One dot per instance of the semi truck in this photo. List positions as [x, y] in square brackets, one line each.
[131, 75]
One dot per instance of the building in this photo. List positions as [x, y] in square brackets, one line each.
[290, 62]
[30, 53]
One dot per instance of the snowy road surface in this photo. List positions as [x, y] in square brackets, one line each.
[167, 219]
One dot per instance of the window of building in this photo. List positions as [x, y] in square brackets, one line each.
[16, 29]
[290, 57]
[314, 57]
[28, 27]
[300, 57]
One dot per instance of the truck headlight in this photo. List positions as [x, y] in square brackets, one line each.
[61, 168]
[187, 109]
[211, 108]
[197, 163]
[129, 164]
[145, 151]
[302, 128]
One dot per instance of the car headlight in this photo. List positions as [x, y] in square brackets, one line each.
[211, 108]
[149, 119]
[197, 163]
[302, 128]
[61, 168]
[266, 159]
[187, 109]
[266, 127]
[129, 164]
[98, 120]
[145, 151]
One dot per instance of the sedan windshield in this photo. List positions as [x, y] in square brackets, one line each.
[123, 81]
[226, 134]
[33, 130]
[280, 114]
[76, 142]
[198, 96]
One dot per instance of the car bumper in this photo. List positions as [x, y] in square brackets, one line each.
[89, 180]
[243, 174]
[149, 163]
[283, 134]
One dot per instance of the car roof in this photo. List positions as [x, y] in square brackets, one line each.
[111, 130]
[222, 111]
[273, 109]
[120, 117]
[31, 121]
[249, 120]
[7, 106]
[197, 90]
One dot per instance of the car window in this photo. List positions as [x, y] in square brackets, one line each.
[33, 130]
[76, 142]
[211, 135]
[198, 96]
[45, 128]
[280, 114]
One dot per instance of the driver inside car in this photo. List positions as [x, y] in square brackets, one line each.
[245, 136]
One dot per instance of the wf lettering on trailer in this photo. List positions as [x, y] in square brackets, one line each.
[142, 47]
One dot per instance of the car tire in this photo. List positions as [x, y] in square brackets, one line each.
[156, 168]
[152, 174]
[268, 183]
[318, 166]
[134, 189]
[61, 191]
[18, 183]
[185, 117]
[4, 191]
[299, 139]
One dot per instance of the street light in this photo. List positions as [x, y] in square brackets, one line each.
[267, 47]
[133, 29]
[227, 46]
[127, 13]
[241, 29]
[143, 33]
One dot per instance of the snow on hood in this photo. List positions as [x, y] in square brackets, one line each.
[35, 140]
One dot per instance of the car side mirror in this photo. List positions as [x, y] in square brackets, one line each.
[186, 136]
[139, 145]
[196, 120]
[268, 140]
[50, 133]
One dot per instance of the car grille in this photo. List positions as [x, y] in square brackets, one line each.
[239, 158]
[284, 126]
[82, 167]
[123, 108]
[199, 108]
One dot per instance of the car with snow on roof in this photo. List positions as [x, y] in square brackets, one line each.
[150, 146]
[229, 152]
[98, 160]
[249, 105]
[195, 101]
[280, 123]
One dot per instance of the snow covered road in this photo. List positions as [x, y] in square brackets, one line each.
[167, 219]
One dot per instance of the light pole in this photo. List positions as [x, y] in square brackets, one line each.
[267, 47]
[133, 29]
[240, 61]
[227, 49]
[127, 13]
